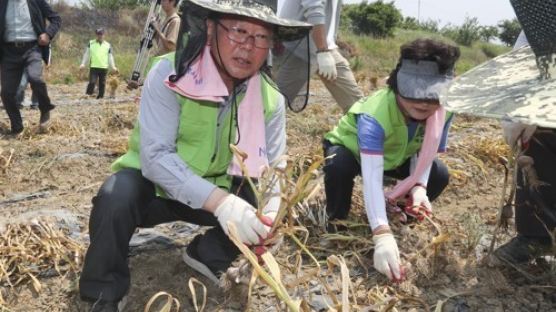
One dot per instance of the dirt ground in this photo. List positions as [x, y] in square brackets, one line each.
[57, 173]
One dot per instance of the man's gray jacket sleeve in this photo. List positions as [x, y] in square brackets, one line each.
[159, 121]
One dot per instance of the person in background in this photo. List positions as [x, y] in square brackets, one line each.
[323, 54]
[98, 55]
[535, 214]
[212, 92]
[396, 132]
[24, 44]
[519, 88]
[166, 33]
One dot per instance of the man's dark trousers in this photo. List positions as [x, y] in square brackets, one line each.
[127, 201]
[535, 209]
[16, 59]
[94, 75]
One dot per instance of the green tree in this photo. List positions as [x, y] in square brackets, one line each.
[378, 19]
[468, 32]
[345, 21]
[411, 23]
[465, 34]
[430, 25]
[450, 31]
[488, 33]
[509, 30]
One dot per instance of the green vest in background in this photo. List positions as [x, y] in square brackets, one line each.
[99, 54]
[201, 144]
[382, 106]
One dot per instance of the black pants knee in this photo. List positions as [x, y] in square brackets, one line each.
[341, 170]
[536, 209]
[339, 173]
[94, 75]
[125, 202]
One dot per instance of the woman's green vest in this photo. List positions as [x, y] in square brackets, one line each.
[382, 106]
[201, 144]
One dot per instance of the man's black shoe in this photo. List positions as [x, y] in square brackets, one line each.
[105, 306]
[192, 259]
[16, 131]
[44, 120]
[522, 249]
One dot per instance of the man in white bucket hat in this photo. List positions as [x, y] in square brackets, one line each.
[211, 93]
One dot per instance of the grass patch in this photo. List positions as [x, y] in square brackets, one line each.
[492, 50]
[377, 57]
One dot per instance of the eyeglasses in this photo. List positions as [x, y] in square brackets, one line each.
[240, 35]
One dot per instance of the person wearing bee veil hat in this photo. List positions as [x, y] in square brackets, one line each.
[520, 89]
[212, 92]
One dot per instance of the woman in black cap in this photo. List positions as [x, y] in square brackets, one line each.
[397, 132]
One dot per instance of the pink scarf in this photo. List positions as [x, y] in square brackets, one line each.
[203, 82]
[433, 134]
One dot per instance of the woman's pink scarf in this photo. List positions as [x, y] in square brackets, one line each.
[427, 154]
[203, 82]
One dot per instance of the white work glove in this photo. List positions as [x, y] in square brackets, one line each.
[269, 218]
[418, 203]
[326, 65]
[234, 209]
[513, 131]
[386, 258]
[263, 245]
[82, 66]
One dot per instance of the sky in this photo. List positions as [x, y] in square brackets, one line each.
[489, 12]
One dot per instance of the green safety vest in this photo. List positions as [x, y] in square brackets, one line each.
[99, 53]
[382, 106]
[201, 144]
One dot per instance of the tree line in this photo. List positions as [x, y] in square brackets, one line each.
[380, 19]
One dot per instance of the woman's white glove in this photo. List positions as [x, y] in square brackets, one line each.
[326, 65]
[386, 258]
[513, 131]
[418, 204]
[234, 209]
